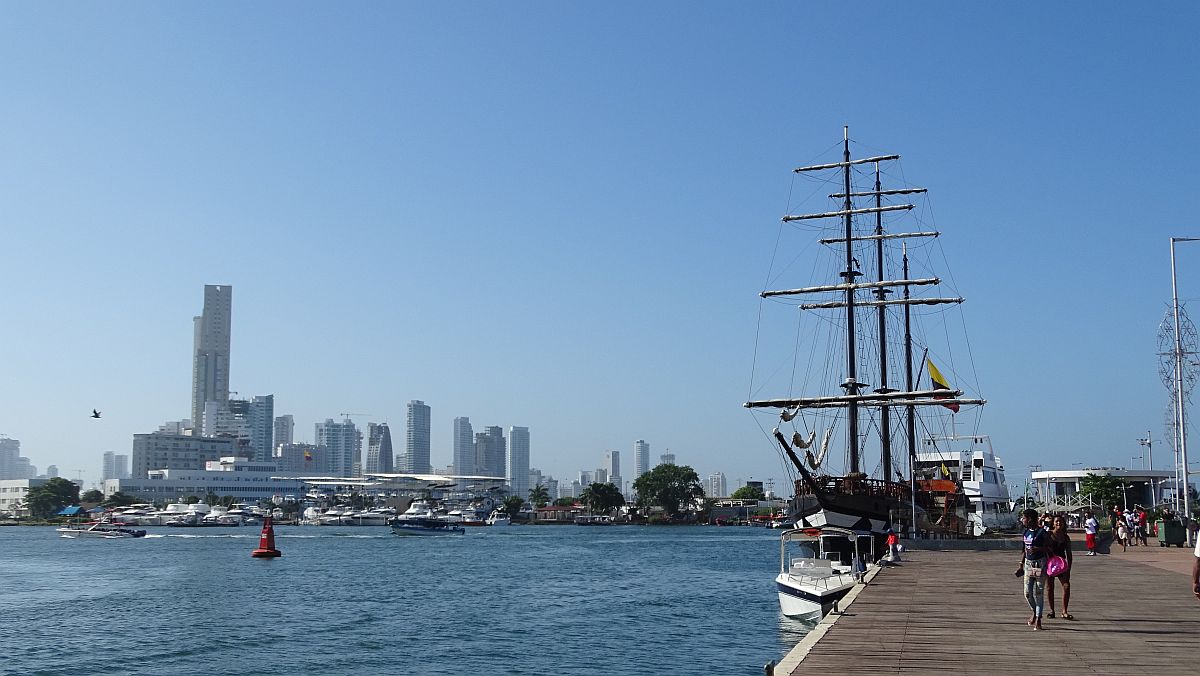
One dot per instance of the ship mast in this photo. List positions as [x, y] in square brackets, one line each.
[885, 423]
[851, 385]
[883, 397]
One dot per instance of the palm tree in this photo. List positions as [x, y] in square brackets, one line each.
[539, 495]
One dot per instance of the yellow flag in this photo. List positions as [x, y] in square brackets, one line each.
[945, 470]
[939, 383]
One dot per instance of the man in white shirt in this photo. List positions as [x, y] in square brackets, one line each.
[1089, 531]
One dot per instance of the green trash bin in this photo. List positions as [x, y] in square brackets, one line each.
[1170, 533]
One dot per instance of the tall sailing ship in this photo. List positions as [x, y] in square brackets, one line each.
[871, 371]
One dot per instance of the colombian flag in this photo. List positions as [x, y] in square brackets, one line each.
[939, 383]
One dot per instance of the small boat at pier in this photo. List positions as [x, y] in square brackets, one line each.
[820, 568]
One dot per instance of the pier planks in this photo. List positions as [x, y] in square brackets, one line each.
[965, 612]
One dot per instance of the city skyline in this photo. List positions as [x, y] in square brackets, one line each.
[583, 254]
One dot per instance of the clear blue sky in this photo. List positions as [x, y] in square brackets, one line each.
[559, 215]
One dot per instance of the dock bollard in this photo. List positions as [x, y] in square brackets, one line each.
[266, 542]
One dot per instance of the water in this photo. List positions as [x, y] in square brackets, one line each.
[518, 600]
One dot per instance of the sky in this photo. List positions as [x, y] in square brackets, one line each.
[559, 215]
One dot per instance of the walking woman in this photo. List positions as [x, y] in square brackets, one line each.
[1060, 545]
[1033, 565]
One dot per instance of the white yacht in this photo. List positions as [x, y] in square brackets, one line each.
[499, 518]
[421, 519]
[821, 566]
[970, 459]
[142, 514]
[371, 517]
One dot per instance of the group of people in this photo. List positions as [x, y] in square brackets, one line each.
[1130, 526]
[1046, 539]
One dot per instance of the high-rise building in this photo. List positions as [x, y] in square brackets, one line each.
[518, 461]
[416, 443]
[301, 459]
[535, 479]
[210, 360]
[490, 452]
[464, 447]
[716, 487]
[379, 448]
[341, 443]
[552, 487]
[10, 450]
[600, 476]
[641, 457]
[666, 459]
[586, 478]
[52, 472]
[285, 430]
[612, 464]
[262, 426]
[116, 466]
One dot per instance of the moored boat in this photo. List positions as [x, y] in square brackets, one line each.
[420, 519]
[820, 566]
[860, 347]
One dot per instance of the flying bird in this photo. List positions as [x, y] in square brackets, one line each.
[95, 413]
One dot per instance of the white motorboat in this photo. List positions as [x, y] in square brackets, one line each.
[499, 518]
[100, 529]
[821, 566]
[420, 519]
[371, 517]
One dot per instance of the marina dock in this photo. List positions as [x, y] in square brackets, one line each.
[965, 612]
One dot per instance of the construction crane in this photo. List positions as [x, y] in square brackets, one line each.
[347, 415]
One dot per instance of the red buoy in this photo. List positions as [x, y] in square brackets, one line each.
[266, 542]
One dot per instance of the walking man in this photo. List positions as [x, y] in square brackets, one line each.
[1090, 526]
[1033, 565]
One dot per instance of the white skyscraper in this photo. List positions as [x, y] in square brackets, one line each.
[341, 444]
[641, 458]
[716, 487]
[261, 420]
[210, 359]
[517, 466]
[464, 447]
[108, 471]
[416, 446]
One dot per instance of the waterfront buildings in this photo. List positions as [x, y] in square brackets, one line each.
[261, 419]
[464, 447]
[285, 430]
[490, 450]
[518, 461]
[416, 444]
[115, 466]
[175, 451]
[641, 458]
[12, 464]
[1059, 489]
[210, 360]
[379, 448]
[247, 480]
[717, 486]
[342, 443]
[13, 492]
[301, 459]
[612, 464]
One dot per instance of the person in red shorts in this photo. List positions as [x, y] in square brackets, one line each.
[1090, 525]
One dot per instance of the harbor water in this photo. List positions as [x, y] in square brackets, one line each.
[502, 600]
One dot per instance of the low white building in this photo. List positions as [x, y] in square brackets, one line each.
[1059, 488]
[247, 480]
[13, 492]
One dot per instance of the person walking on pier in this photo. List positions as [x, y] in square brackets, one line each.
[1122, 534]
[1060, 545]
[1196, 571]
[1090, 526]
[1033, 565]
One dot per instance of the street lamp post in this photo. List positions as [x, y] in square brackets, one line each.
[1149, 444]
[1179, 416]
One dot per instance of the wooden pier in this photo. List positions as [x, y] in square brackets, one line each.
[965, 612]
